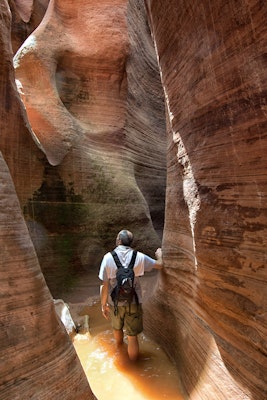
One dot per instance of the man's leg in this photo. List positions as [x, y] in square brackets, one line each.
[117, 321]
[118, 336]
[133, 347]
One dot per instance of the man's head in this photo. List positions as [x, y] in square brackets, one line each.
[124, 237]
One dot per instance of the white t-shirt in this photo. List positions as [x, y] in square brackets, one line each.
[108, 268]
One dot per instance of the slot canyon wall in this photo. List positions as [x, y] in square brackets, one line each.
[37, 359]
[101, 134]
[87, 158]
[212, 295]
[86, 153]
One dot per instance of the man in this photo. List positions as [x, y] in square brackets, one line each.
[128, 317]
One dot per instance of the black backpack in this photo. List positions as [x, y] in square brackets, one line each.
[124, 290]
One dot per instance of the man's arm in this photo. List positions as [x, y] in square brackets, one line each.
[104, 299]
[159, 262]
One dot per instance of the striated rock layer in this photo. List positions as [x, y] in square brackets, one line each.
[94, 163]
[96, 112]
[212, 295]
[36, 355]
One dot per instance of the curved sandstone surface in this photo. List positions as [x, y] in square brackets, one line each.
[78, 80]
[26, 16]
[37, 357]
[94, 77]
[212, 295]
[96, 111]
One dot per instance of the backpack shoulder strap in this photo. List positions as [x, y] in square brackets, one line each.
[116, 259]
[131, 265]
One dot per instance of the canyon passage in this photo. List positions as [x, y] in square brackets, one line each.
[144, 116]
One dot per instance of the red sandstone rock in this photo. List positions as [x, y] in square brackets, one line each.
[36, 356]
[97, 112]
[26, 16]
[212, 295]
[77, 79]
[21, 155]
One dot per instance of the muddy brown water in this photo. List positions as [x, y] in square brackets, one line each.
[109, 372]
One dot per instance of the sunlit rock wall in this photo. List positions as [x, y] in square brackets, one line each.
[97, 116]
[212, 294]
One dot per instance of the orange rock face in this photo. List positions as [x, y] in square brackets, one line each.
[102, 131]
[36, 356]
[26, 16]
[89, 78]
[212, 295]
[78, 80]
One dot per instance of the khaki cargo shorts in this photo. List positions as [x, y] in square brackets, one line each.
[128, 317]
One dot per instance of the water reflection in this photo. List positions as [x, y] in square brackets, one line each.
[110, 373]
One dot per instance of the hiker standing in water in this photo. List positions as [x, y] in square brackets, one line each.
[121, 296]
